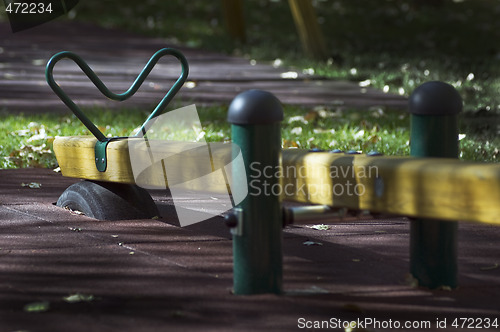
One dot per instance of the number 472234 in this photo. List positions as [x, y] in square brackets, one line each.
[28, 8]
[477, 323]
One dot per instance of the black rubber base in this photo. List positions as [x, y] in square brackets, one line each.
[108, 201]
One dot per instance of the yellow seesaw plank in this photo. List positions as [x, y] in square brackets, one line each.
[420, 187]
[150, 162]
[76, 154]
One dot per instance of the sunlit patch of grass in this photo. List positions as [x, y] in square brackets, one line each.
[374, 130]
[26, 140]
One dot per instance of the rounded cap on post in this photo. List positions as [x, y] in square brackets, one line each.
[255, 107]
[435, 98]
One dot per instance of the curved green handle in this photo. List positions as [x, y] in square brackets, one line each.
[105, 91]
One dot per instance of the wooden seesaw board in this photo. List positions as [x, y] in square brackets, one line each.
[437, 188]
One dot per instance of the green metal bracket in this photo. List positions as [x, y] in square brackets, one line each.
[100, 155]
[102, 140]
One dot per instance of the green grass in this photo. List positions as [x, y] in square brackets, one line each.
[26, 140]
[387, 44]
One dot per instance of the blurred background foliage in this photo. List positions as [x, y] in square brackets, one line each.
[393, 45]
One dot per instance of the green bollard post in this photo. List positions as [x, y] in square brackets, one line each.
[434, 108]
[255, 118]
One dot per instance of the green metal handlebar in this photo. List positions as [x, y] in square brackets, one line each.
[105, 91]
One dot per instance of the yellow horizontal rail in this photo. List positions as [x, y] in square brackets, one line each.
[417, 187]
[438, 188]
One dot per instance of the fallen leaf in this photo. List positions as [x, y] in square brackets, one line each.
[308, 71]
[277, 62]
[289, 144]
[41, 134]
[365, 83]
[190, 84]
[298, 118]
[320, 227]
[311, 116]
[491, 267]
[359, 134]
[373, 139]
[32, 185]
[38, 62]
[21, 132]
[75, 298]
[289, 75]
[411, 281]
[74, 212]
[41, 306]
[312, 243]
[308, 291]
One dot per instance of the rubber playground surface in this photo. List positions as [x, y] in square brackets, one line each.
[61, 271]
[117, 58]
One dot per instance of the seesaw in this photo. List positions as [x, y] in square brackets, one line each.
[110, 190]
